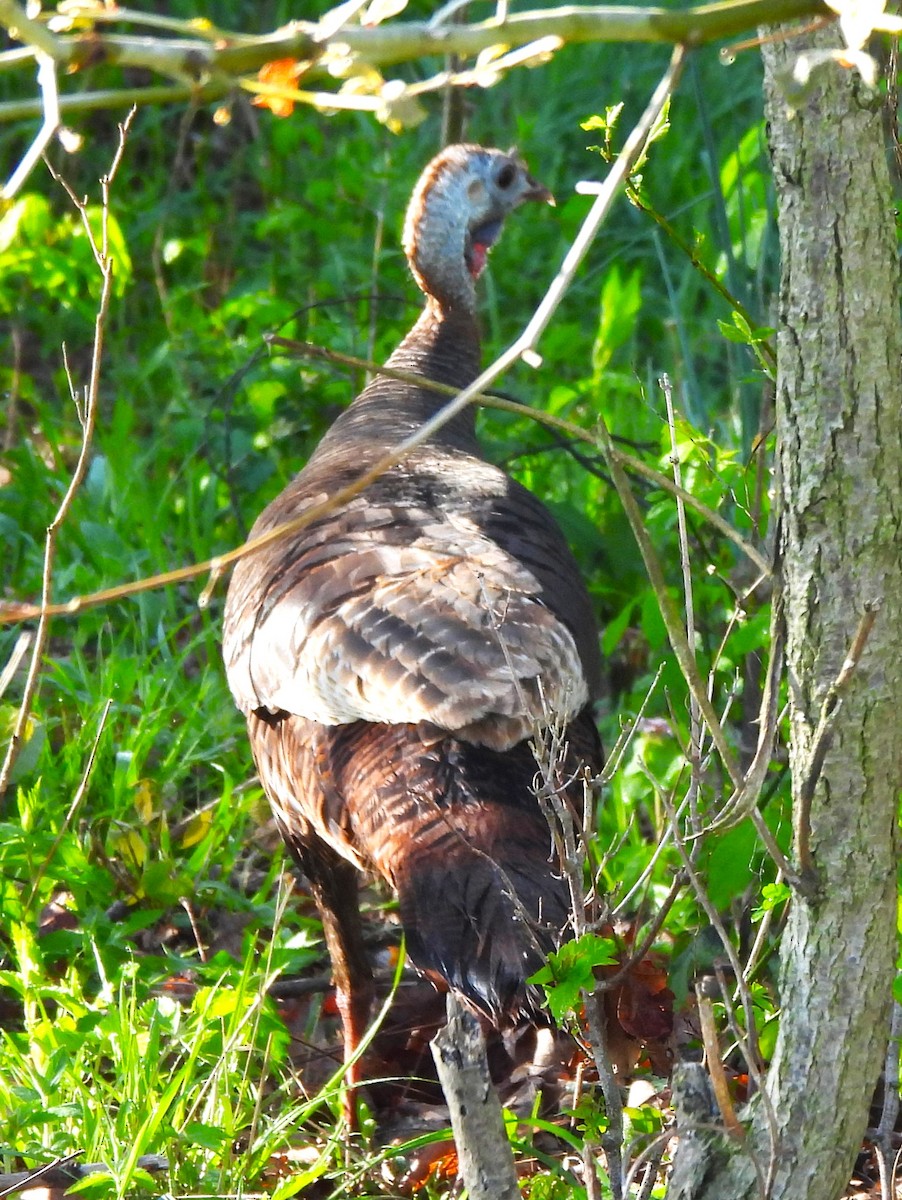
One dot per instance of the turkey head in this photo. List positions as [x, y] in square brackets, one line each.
[394, 657]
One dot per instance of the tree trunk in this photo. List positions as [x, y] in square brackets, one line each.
[839, 421]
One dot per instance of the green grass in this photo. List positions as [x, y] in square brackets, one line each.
[135, 791]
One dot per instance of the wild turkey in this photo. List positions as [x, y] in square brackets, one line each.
[393, 657]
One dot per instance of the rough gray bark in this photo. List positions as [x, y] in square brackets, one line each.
[840, 458]
[483, 1150]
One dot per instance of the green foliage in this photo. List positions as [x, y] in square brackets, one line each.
[119, 1068]
[570, 971]
[773, 895]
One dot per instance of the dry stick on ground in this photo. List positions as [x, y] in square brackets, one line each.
[87, 415]
[483, 1149]
[62, 1173]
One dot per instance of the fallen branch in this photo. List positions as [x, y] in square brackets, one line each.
[63, 1172]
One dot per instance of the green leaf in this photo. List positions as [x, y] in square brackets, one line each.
[211, 1137]
[772, 896]
[570, 970]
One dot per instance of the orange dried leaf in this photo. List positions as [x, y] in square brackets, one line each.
[280, 73]
[443, 1167]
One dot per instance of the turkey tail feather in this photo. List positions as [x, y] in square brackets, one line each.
[477, 926]
[454, 828]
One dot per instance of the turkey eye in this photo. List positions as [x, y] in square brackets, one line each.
[506, 175]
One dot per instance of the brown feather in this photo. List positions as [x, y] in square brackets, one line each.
[454, 828]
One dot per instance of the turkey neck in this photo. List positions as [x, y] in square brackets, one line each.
[443, 346]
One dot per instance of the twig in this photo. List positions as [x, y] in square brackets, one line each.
[746, 1041]
[672, 623]
[751, 963]
[87, 418]
[745, 797]
[20, 649]
[695, 725]
[714, 1060]
[628, 732]
[605, 985]
[650, 1157]
[522, 347]
[50, 103]
[823, 735]
[676, 239]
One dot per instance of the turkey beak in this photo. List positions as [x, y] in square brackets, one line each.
[537, 191]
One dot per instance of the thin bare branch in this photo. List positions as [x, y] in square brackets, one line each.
[648, 941]
[675, 632]
[51, 107]
[714, 1060]
[751, 963]
[745, 797]
[87, 418]
[746, 1041]
[20, 649]
[695, 722]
